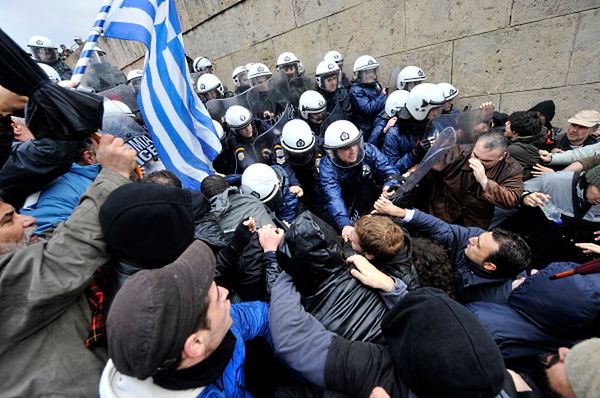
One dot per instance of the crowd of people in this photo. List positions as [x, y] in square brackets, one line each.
[356, 240]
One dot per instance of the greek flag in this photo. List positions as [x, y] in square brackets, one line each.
[180, 125]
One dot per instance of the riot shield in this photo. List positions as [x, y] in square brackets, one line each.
[392, 83]
[270, 98]
[135, 135]
[102, 74]
[218, 107]
[264, 143]
[444, 140]
[123, 93]
[467, 125]
[335, 115]
[297, 86]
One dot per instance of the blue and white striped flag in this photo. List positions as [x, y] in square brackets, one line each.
[180, 125]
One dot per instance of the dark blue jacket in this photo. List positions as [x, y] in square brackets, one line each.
[377, 136]
[333, 178]
[473, 283]
[367, 102]
[399, 146]
[542, 314]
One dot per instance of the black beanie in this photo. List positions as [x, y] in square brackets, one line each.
[149, 225]
[548, 109]
[440, 349]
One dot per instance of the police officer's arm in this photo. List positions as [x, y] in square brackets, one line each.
[385, 170]
[333, 190]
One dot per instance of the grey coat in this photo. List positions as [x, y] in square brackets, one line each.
[45, 314]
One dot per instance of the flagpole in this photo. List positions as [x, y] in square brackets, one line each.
[90, 44]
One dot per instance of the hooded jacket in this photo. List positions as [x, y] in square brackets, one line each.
[232, 206]
[525, 150]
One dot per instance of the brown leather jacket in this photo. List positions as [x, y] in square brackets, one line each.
[456, 197]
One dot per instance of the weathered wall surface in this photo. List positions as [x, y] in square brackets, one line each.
[513, 52]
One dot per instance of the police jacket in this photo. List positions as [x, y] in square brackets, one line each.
[340, 98]
[333, 178]
[367, 102]
[542, 314]
[400, 141]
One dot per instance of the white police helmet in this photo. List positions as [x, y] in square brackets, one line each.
[286, 58]
[208, 82]
[238, 117]
[219, 130]
[51, 72]
[261, 181]
[424, 98]
[43, 49]
[311, 102]
[395, 102]
[450, 92]
[200, 64]
[297, 137]
[134, 74]
[237, 74]
[343, 134]
[409, 74]
[326, 69]
[257, 70]
[116, 108]
[334, 56]
[363, 63]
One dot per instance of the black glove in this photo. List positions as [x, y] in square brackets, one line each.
[421, 149]
[241, 235]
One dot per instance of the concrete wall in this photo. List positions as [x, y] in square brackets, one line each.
[513, 52]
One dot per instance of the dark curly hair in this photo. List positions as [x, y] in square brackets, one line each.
[433, 266]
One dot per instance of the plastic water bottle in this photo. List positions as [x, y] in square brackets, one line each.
[552, 212]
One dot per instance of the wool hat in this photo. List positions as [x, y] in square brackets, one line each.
[440, 349]
[157, 310]
[587, 118]
[149, 225]
[593, 176]
[583, 368]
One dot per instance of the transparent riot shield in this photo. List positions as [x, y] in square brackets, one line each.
[335, 115]
[392, 82]
[264, 143]
[467, 125]
[102, 74]
[134, 135]
[218, 107]
[269, 99]
[297, 86]
[444, 140]
[123, 93]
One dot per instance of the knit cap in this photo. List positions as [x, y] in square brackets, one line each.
[583, 368]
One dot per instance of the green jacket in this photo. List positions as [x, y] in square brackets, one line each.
[45, 314]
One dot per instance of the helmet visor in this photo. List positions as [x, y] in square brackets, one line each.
[329, 82]
[348, 156]
[262, 82]
[368, 76]
[299, 158]
[45, 54]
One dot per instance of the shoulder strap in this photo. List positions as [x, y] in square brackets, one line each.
[579, 208]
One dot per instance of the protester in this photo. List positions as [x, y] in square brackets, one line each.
[485, 262]
[579, 133]
[470, 180]
[526, 138]
[44, 334]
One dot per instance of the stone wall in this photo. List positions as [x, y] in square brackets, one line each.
[512, 52]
